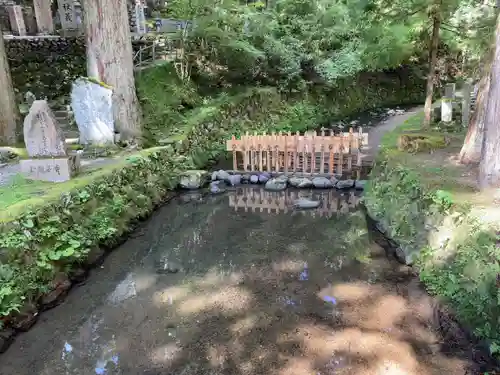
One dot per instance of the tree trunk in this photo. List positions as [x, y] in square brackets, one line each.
[489, 166]
[471, 149]
[9, 112]
[110, 59]
[436, 24]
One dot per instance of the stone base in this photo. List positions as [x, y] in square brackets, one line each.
[52, 170]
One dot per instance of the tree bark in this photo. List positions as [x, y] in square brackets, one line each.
[436, 24]
[9, 111]
[471, 149]
[489, 166]
[110, 59]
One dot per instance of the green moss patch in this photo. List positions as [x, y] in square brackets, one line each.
[427, 203]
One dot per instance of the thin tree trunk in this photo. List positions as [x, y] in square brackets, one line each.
[436, 24]
[110, 59]
[9, 112]
[489, 166]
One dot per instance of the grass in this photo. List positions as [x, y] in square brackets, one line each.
[22, 194]
[439, 169]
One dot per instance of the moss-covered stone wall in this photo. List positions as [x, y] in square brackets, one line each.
[47, 66]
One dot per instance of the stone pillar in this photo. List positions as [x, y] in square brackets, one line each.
[16, 19]
[43, 14]
[447, 103]
[67, 14]
[140, 19]
[466, 103]
[30, 20]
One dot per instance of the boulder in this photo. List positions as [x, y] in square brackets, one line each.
[264, 177]
[275, 184]
[322, 183]
[194, 179]
[245, 179]
[301, 182]
[360, 184]
[222, 175]
[234, 179]
[345, 184]
[254, 179]
[93, 109]
[215, 188]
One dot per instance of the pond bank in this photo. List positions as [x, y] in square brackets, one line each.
[287, 293]
[430, 209]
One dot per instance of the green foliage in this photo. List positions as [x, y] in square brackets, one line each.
[468, 282]
[456, 256]
[58, 236]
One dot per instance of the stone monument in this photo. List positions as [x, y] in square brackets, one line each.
[93, 109]
[49, 160]
[447, 102]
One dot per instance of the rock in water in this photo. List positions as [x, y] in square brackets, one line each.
[93, 109]
[275, 184]
[254, 179]
[263, 178]
[234, 179]
[245, 179]
[360, 184]
[322, 183]
[223, 175]
[294, 181]
[215, 187]
[305, 203]
[193, 179]
[282, 178]
[214, 176]
[42, 134]
[345, 184]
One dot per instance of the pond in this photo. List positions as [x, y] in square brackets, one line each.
[242, 283]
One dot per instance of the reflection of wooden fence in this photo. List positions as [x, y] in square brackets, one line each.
[294, 153]
[258, 200]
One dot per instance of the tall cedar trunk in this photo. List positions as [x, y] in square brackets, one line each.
[110, 59]
[471, 149]
[489, 166]
[9, 112]
[436, 24]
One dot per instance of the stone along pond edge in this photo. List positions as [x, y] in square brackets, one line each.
[422, 226]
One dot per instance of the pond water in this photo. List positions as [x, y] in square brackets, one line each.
[243, 284]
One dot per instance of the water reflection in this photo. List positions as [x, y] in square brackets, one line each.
[90, 343]
[333, 202]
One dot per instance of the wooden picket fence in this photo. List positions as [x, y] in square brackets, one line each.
[258, 200]
[308, 154]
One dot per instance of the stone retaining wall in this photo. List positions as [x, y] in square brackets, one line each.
[48, 65]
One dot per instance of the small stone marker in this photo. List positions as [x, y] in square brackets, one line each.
[67, 14]
[140, 19]
[43, 14]
[45, 145]
[42, 134]
[16, 19]
[447, 103]
[53, 169]
[93, 110]
[466, 103]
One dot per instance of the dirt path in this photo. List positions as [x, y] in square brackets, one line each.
[376, 133]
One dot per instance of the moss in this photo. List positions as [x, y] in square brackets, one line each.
[424, 203]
